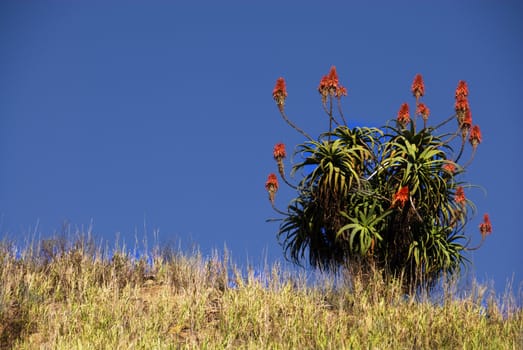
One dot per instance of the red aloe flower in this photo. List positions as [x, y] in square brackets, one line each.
[423, 110]
[485, 228]
[330, 85]
[271, 186]
[418, 88]
[333, 77]
[467, 121]
[279, 93]
[279, 154]
[403, 115]
[323, 89]
[329, 81]
[475, 136]
[462, 90]
[324, 83]
[449, 167]
[341, 91]
[462, 104]
[272, 183]
[402, 196]
[279, 151]
[459, 197]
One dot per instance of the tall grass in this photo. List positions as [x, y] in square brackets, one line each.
[60, 294]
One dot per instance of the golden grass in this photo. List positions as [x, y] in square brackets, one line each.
[74, 297]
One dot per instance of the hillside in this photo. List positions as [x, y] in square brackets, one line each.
[60, 295]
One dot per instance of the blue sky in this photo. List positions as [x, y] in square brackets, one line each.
[160, 114]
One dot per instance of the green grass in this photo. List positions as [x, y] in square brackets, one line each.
[69, 295]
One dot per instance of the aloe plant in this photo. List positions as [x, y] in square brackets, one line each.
[391, 196]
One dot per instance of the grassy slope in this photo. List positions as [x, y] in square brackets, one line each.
[74, 298]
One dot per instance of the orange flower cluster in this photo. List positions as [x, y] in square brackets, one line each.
[418, 88]
[462, 104]
[462, 90]
[401, 197]
[449, 167]
[330, 85]
[466, 123]
[279, 154]
[459, 197]
[403, 115]
[475, 136]
[271, 186]
[279, 93]
[464, 115]
[279, 151]
[423, 110]
[485, 228]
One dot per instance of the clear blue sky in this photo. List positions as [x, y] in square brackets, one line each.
[117, 113]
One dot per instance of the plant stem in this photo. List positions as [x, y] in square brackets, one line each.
[284, 116]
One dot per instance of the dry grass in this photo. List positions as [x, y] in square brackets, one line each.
[59, 295]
